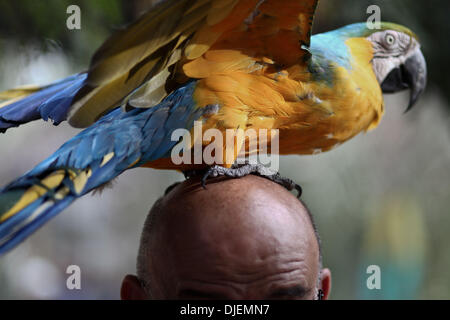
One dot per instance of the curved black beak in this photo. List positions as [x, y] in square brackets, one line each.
[411, 75]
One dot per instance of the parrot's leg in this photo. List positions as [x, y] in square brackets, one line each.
[242, 170]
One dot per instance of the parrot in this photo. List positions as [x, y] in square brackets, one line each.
[228, 64]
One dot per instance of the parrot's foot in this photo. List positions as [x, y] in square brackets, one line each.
[242, 170]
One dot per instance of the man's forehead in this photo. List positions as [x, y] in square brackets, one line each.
[240, 269]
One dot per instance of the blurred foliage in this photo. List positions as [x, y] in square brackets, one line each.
[31, 20]
[395, 237]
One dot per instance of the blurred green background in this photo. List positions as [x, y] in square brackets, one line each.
[381, 199]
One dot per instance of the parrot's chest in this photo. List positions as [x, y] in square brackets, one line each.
[333, 113]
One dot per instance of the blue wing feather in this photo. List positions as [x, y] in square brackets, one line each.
[135, 137]
[52, 102]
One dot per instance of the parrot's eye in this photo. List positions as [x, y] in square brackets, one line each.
[390, 39]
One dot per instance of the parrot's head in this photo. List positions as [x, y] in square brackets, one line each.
[397, 60]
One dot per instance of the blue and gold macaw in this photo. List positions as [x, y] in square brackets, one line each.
[227, 63]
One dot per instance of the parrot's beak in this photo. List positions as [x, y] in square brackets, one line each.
[410, 75]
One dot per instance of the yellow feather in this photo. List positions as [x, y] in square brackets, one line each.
[11, 101]
[219, 61]
[61, 194]
[14, 95]
[107, 158]
[363, 75]
[19, 92]
[80, 181]
[34, 193]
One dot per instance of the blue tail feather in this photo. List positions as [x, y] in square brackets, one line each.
[30, 223]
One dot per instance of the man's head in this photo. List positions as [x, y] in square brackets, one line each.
[245, 238]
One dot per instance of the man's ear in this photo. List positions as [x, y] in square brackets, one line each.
[132, 289]
[325, 283]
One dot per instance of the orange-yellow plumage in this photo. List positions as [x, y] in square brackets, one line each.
[311, 116]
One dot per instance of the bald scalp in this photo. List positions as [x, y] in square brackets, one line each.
[250, 216]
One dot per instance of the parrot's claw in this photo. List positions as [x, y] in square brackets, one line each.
[242, 170]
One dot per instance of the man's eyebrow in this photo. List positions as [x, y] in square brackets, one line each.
[290, 292]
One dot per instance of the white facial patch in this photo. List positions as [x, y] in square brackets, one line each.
[391, 50]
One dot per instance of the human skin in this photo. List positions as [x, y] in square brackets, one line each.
[246, 238]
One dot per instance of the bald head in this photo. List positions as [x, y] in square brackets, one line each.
[245, 238]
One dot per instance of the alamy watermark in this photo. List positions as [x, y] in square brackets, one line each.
[374, 280]
[374, 20]
[215, 147]
[73, 22]
[73, 282]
